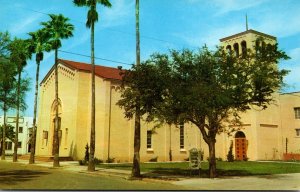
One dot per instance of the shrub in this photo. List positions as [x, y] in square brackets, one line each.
[110, 160]
[201, 151]
[154, 159]
[230, 157]
[98, 161]
[82, 162]
[87, 154]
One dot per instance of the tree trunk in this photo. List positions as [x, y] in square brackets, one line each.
[137, 144]
[3, 132]
[212, 158]
[91, 166]
[15, 155]
[56, 141]
[170, 149]
[137, 126]
[34, 128]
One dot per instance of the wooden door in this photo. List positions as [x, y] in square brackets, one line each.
[240, 149]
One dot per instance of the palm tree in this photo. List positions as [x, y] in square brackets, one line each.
[92, 17]
[137, 125]
[19, 53]
[57, 28]
[39, 44]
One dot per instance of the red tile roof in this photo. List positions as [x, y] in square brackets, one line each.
[101, 71]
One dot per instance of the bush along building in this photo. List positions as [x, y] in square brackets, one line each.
[271, 134]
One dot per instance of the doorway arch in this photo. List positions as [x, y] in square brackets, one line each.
[240, 146]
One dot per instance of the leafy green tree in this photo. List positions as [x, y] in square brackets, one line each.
[147, 82]
[57, 28]
[92, 18]
[19, 54]
[4, 42]
[39, 45]
[211, 88]
[9, 134]
[5, 84]
[7, 97]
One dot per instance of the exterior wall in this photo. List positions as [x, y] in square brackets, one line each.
[26, 123]
[289, 123]
[68, 100]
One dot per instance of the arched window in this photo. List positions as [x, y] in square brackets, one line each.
[236, 49]
[228, 49]
[240, 134]
[244, 48]
[257, 46]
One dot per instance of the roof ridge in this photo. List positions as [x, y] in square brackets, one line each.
[88, 63]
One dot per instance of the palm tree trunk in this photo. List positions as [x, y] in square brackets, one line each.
[34, 128]
[3, 132]
[15, 155]
[137, 126]
[137, 144]
[56, 141]
[91, 166]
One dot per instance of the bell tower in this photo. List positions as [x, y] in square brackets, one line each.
[240, 42]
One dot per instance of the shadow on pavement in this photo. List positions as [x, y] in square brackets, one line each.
[203, 173]
[15, 176]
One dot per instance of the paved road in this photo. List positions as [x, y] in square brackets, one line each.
[23, 176]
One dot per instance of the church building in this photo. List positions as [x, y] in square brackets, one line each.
[271, 134]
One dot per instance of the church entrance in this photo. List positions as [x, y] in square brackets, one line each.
[53, 112]
[240, 146]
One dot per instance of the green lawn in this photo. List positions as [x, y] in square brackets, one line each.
[237, 168]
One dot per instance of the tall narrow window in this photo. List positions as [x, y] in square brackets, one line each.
[19, 144]
[8, 145]
[228, 49]
[236, 49]
[20, 129]
[149, 139]
[297, 112]
[244, 48]
[181, 128]
[298, 132]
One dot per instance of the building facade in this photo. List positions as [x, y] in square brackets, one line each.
[265, 135]
[25, 126]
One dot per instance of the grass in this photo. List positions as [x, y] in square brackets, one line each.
[237, 168]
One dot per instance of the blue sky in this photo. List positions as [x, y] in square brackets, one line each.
[164, 25]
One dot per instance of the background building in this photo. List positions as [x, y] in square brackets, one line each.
[25, 125]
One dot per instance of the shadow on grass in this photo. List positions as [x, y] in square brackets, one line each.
[15, 176]
[203, 173]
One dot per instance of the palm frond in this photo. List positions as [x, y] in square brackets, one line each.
[80, 3]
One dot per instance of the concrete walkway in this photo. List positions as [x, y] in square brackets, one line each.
[265, 182]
